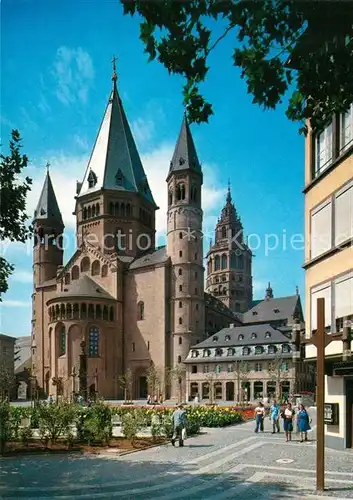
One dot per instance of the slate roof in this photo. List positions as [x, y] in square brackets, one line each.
[214, 303]
[150, 258]
[23, 350]
[265, 310]
[115, 161]
[185, 156]
[47, 207]
[246, 331]
[84, 287]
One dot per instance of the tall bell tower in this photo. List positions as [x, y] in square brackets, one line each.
[184, 246]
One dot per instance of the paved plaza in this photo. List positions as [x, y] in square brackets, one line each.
[220, 464]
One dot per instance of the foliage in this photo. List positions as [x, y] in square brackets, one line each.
[96, 422]
[55, 420]
[154, 380]
[13, 195]
[132, 422]
[270, 48]
[25, 435]
[177, 374]
[7, 380]
[277, 373]
[5, 429]
[126, 382]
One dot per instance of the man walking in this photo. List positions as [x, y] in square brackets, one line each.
[274, 416]
[179, 425]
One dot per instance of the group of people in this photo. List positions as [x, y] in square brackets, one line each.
[288, 415]
[155, 400]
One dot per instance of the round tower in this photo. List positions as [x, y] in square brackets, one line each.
[184, 246]
[48, 229]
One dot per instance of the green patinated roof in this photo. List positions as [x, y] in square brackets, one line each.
[115, 163]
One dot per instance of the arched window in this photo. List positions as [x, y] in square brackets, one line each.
[93, 341]
[98, 312]
[180, 304]
[97, 209]
[111, 208]
[180, 272]
[180, 321]
[128, 210]
[83, 311]
[209, 267]
[93, 210]
[170, 197]
[122, 209]
[180, 340]
[85, 264]
[105, 313]
[96, 268]
[90, 311]
[253, 335]
[230, 351]
[111, 314]
[224, 232]
[217, 263]
[179, 359]
[180, 236]
[224, 261]
[62, 341]
[246, 351]
[89, 212]
[75, 272]
[267, 335]
[104, 270]
[141, 311]
[85, 213]
[116, 209]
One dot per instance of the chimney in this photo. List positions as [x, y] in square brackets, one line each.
[231, 325]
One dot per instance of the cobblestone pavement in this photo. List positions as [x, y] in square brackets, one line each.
[219, 464]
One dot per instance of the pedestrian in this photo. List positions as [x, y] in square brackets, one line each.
[274, 416]
[259, 417]
[149, 400]
[303, 422]
[50, 399]
[80, 400]
[179, 425]
[288, 415]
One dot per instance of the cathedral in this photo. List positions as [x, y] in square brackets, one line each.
[120, 302]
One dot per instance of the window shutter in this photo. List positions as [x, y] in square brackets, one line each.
[325, 293]
[344, 296]
[344, 215]
[321, 230]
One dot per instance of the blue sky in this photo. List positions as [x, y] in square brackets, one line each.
[56, 78]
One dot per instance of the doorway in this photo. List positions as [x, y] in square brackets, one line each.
[349, 414]
[143, 387]
[230, 391]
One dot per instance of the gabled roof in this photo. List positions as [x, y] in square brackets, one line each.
[84, 287]
[185, 156]
[115, 162]
[150, 258]
[269, 310]
[47, 207]
[265, 334]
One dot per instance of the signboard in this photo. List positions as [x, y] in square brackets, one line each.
[331, 414]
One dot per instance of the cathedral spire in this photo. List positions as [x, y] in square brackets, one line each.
[47, 208]
[115, 163]
[229, 195]
[185, 156]
[269, 292]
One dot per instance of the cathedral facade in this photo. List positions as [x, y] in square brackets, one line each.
[119, 302]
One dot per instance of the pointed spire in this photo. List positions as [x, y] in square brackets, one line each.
[185, 156]
[229, 195]
[47, 207]
[297, 290]
[115, 162]
[269, 292]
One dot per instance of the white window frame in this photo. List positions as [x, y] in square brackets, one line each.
[313, 252]
[337, 240]
[329, 315]
[337, 281]
[346, 123]
[323, 150]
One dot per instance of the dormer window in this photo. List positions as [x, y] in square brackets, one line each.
[241, 337]
[119, 178]
[285, 348]
[272, 349]
[206, 353]
[227, 338]
[218, 352]
[91, 179]
[267, 335]
[194, 354]
[231, 351]
[246, 351]
[215, 338]
[181, 161]
[253, 335]
[254, 313]
[259, 349]
[276, 310]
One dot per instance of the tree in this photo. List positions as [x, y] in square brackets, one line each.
[177, 373]
[7, 380]
[154, 380]
[126, 382]
[278, 372]
[242, 374]
[211, 377]
[281, 46]
[13, 193]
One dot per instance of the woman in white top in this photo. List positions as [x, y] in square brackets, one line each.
[288, 415]
[259, 417]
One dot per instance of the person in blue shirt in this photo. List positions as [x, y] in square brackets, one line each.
[179, 425]
[274, 416]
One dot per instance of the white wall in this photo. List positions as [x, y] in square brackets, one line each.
[334, 393]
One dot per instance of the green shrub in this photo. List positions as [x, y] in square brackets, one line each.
[25, 435]
[5, 428]
[132, 422]
[94, 424]
[55, 420]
